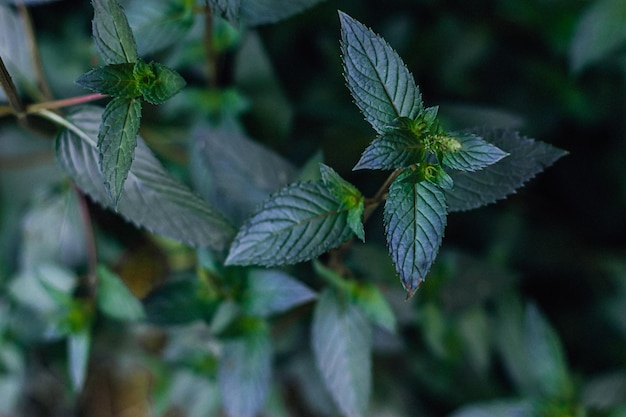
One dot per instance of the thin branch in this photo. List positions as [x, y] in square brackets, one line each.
[66, 102]
[371, 204]
[6, 82]
[42, 83]
[211, 56]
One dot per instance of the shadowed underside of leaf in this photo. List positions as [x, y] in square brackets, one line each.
[296, 224]
[117, 139]
[341, 338]
[380, 83]
[258, 12]
[152, 198]
[415, 218]
[112, 33]
[526, 159]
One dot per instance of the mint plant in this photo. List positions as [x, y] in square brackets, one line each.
[303, 221]
[238, 216]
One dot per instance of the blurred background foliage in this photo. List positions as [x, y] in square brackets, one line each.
[524, 313]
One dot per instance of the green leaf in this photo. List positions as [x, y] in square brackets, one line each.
[600, 33]
[244, 374]
[157, 82]
[382, 86]
[14, 48]
[271, 291]
[259, 12]
[178, 301]
[342, 341]
[298, 223]
[78, 348]
[39, 287]
[117, 80]
[517, 408]
[435, 174]
[349, 197]
[112, 33]
[391, 150]
[372, 302]
[473, 154]
[117, 139]
[159, 24]
[115, 299]
[415, 218]
[229, 9]
[152, 198]
[234, 172]
[527, 158]
[546, 358]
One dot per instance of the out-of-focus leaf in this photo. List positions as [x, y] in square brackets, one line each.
[272, 291]
[244, 374]
[12, 376]
[112, 33]
[117, 139]
[14, 48]
[526, 159]
[299, 223]
[159, 24]
[342, 343]
[234, 173]
[259, 12]
[606, 391]
[546, 358]
[475, 330]
[415, 218]
[33, 287]
[178, 302]
[270, 113]
[115, 299]
[52, 231]
[600, 33]
[511, 408]
[27, 2]
[373, 303]
[78, 348]
[152, 198]
[380, 83]
[194, 394]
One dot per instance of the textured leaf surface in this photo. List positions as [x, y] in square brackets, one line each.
[117, 140]
[415, 218]
[116, 80]
[349, 197]
[474, 154]
[112, 33]
[390, 151]
[601, 33]
[527, 158]
[272, 291]
[235, 173]
[115, 299]
[244, 374]
[152, 198]
[159, 24]
[167, 83]
[296, 224]
[380, 83]
[342, 339]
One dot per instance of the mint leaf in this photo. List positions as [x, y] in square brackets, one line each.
[473, 154]
[116, 80]
[229, 9]
[415, 218]
[14, 49]
[296, 224]
[152, 198]
[115, 299]
[271, 291]
[234, 172]
[159, 24]
[349, 197]
[527, 158]
[112, 33]
[157, 82]
[259, 12]
[382, 86]
[244, 374]
[600, 33]
[117, 140]
[372, 302]
[391, 150]
[179, 301]
[342, 342]
[78, 349]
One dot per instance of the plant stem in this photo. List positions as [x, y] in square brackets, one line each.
[371, 204]
[6, 82]
[66, 102]
[61, 121]
[211, 56]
